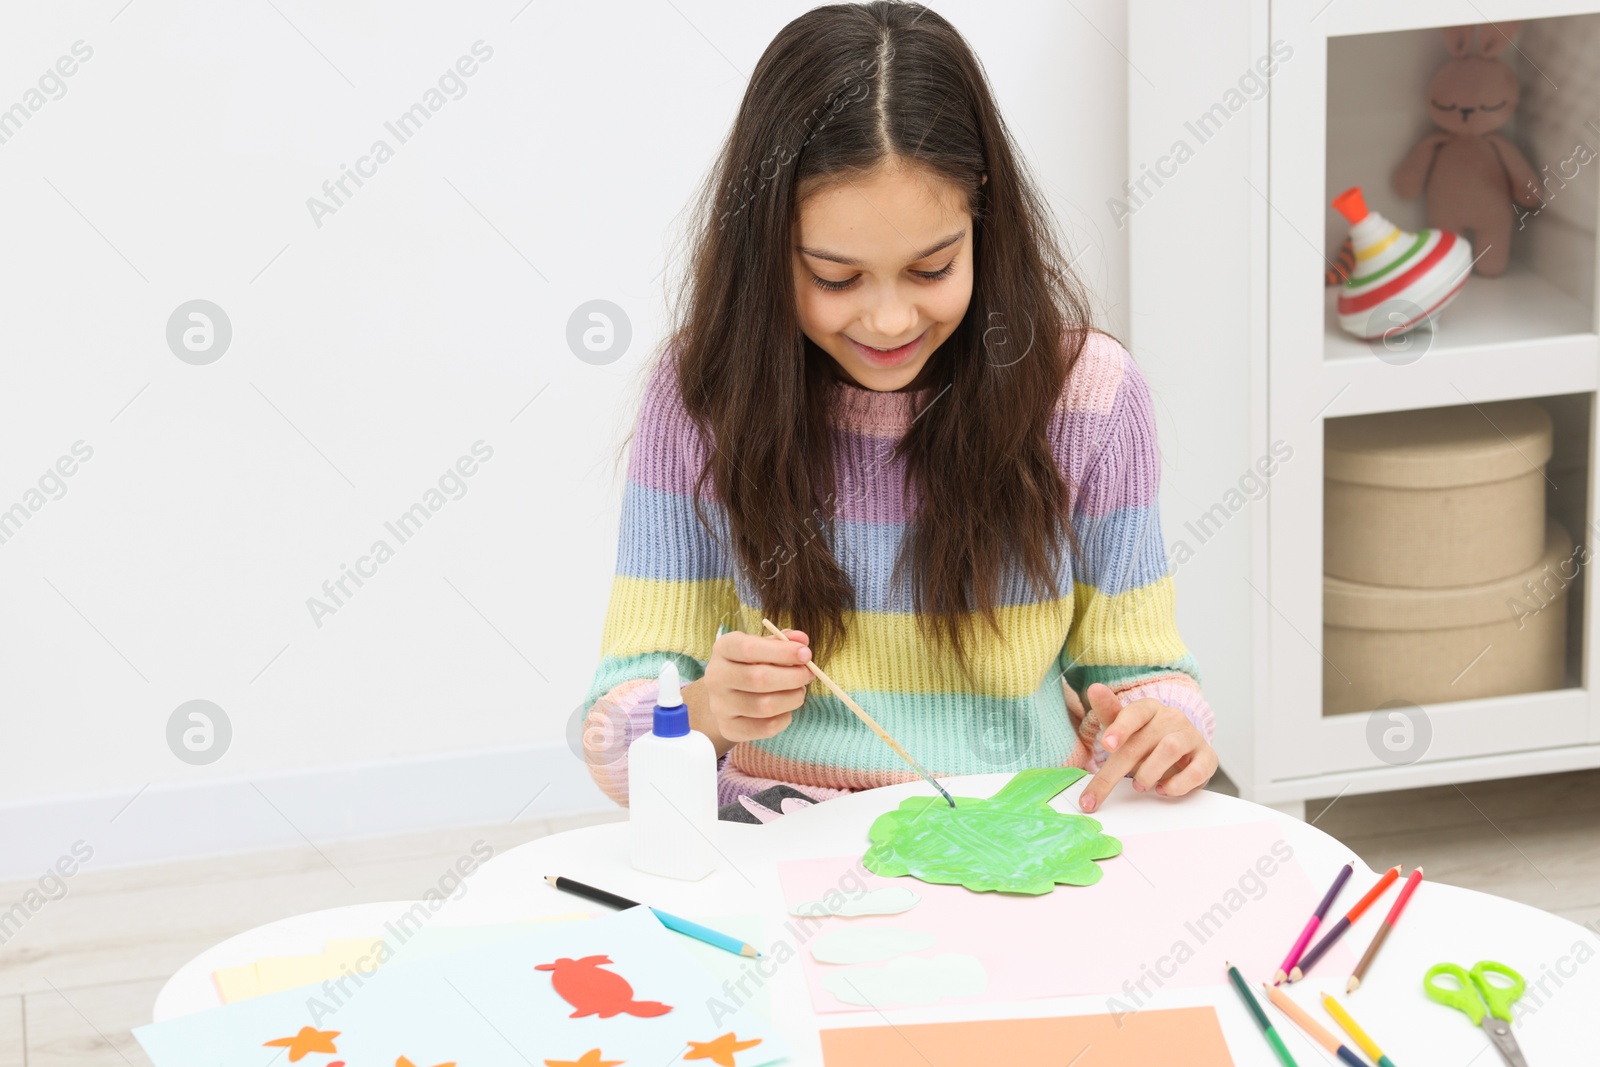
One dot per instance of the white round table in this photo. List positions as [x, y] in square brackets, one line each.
[1556, 1018]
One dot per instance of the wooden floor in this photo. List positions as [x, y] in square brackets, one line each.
[86, 968]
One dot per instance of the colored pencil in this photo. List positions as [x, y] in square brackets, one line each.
[1334, 934]
[1304, 939]
[861, 714]
[1278, 1047]
[670, 921]
[1367, 957]
[1311, 1027]
[1369, 1046]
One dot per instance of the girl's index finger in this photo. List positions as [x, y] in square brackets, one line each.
[767, 648]
[798, 644]
[789, 637]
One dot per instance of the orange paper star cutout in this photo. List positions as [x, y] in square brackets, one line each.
[588, 1059]
[719, 1051]
[403, 1062]
[307, 1040]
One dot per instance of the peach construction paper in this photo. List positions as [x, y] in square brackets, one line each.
[1191, 1037]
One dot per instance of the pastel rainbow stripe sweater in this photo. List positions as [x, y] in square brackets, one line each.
[674, 585]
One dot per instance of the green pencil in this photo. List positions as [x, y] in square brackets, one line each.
[1260, 1016]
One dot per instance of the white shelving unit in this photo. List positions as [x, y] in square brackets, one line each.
[1232, 324]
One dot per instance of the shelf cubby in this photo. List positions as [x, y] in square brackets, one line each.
[1376, 112]
[1520, 605]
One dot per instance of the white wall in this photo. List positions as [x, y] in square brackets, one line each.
[368, 354]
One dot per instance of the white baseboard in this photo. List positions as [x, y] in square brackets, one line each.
[285, 810]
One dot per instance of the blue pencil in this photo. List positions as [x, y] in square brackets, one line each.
[704, 933]
[670, 921]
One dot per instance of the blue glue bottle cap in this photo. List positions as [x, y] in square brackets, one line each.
[671, 718]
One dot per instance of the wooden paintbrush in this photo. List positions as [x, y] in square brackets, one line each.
[864, 717]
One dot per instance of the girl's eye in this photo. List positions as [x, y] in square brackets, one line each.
[928, 275]
[832, 287]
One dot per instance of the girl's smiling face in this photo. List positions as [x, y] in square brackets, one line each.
[883, 273]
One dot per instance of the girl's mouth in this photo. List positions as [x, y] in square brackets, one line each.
[888, 357]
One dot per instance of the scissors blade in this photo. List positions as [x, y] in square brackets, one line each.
[1500, 1033]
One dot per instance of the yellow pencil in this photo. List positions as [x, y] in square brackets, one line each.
[1342, 1017]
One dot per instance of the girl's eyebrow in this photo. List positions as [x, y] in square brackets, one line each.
[834, 257]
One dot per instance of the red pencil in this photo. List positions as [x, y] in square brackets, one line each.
[1383, 931]
[1338, 928]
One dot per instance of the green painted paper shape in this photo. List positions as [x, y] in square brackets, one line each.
[1013, 842]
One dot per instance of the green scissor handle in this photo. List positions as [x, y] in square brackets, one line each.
[1499, 998]
[1474, 989]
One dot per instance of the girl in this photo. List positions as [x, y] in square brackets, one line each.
[884, 419]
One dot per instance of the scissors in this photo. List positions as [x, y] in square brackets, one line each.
[1485, 1002]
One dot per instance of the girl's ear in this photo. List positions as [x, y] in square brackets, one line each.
[1458, 39]
[1496, 38]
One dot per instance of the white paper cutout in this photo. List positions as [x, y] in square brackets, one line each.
[890, 900]
[874, 944]
[909, 980]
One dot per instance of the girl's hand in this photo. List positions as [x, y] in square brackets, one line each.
[1158, 743]
[752, 686]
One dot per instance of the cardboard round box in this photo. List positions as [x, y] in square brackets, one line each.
[1435, 497]
[1425, 646]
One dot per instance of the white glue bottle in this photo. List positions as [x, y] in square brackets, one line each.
[672, 791]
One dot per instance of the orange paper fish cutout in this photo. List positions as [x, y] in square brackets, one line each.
[403, 1062]
[592, 991]
[307, 1040]
[719, 1051]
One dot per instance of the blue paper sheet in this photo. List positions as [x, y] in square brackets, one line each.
[491, 1005]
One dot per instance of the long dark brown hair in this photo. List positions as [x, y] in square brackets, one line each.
[840, 92]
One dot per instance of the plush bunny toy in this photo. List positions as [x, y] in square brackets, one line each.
[1471, 173]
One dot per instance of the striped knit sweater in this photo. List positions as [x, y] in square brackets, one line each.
[674, 585]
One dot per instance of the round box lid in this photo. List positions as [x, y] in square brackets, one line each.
[1433, 448]
[1360, 606]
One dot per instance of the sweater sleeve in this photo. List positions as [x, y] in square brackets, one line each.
[672, 587]
[1124, 634]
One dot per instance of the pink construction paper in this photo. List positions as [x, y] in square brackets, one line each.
[1166, 914]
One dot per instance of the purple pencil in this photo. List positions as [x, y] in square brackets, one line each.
[1304, 939]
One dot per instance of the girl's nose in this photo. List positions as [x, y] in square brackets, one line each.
[892, 320]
